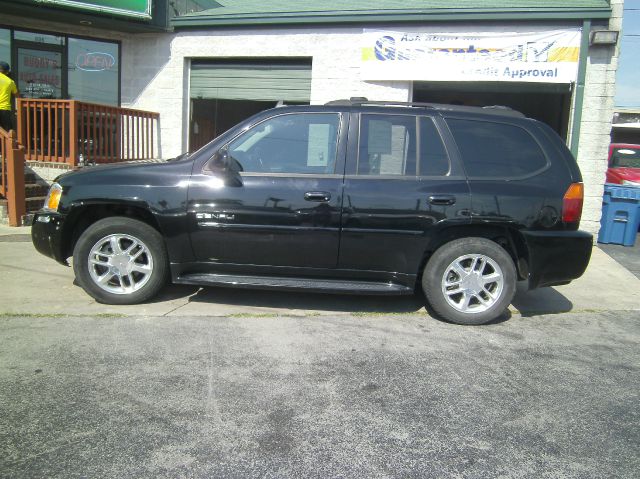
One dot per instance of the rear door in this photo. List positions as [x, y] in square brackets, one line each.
[402, 184]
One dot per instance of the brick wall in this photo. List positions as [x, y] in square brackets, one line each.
[597, 115]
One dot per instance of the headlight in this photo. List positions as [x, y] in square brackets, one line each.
[630, 183]
[53, 198]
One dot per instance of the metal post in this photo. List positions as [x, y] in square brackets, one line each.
[579, 93]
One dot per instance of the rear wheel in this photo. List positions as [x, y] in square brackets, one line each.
[469, 281]
[120, 261]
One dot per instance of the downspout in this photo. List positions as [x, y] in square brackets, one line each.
[579, 94]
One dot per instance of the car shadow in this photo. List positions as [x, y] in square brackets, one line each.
[298, 300]
[539, 301]
[528, 303]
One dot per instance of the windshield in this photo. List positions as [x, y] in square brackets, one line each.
[625, 158]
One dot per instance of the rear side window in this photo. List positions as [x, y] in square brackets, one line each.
[492, 149]
[433, 156]
[387, 145]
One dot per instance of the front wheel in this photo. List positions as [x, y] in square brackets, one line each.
[469, 281]
[120, 261]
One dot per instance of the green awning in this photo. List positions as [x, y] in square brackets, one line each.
[254, 12]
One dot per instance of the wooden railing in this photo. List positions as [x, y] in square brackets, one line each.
[72, 132]
[12, 176]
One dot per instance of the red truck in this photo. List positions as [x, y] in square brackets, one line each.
[624, 164]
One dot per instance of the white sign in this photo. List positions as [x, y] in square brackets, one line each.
[549, 57]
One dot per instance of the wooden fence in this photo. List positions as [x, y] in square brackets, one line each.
[12, 176]
[70, 131]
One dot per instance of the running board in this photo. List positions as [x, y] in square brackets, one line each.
[285, 283]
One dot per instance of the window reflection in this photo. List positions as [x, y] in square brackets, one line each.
[93, 71]
[5, 45]
[38, 37]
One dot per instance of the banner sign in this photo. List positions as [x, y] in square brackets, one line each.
[549, 57]
[129, 8]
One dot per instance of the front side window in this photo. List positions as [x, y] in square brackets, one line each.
[303, 143]
[496, 150]
[387, 145]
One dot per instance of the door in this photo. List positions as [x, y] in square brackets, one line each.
[39, 71]
[401, 185]
[272, 197]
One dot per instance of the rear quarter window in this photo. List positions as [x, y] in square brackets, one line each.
[497, 150]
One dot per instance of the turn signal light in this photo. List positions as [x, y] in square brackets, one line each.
[53, 198]
[572, 203]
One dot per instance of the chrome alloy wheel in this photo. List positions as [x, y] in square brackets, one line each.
[472, 283]
[120, 264]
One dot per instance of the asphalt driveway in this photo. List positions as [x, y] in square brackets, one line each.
[319, 396]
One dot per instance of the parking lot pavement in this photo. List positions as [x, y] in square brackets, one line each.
[35, 284]
[629, 256]
[357, 396]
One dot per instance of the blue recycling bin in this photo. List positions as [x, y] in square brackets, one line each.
[620, 215]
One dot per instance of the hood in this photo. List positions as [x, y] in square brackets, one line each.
[132, 169]
[620, 174]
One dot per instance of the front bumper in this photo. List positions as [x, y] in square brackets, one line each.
[46, 234]
[557, 257]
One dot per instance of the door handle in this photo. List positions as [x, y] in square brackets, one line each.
[317, 196]
[442, 200]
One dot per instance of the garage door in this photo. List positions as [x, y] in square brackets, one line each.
[289, 82]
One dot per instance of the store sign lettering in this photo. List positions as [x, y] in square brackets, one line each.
[40, 62]
[547, 56]
[35, 71]
[44, 78]
[95, 61]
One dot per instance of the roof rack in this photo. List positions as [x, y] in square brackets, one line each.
[495, 109]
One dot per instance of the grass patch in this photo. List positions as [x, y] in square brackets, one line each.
[60, 315]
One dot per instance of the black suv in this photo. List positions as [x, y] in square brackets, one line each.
[349, 197]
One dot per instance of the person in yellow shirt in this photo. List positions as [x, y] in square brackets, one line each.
[7, 88]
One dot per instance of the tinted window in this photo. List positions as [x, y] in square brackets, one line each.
[626, 158]
[299, 143]
[387, 145]
[496, 149]
[433, 156]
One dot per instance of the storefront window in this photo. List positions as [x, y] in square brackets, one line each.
[93, 71]
[5, 45]
[36, 37]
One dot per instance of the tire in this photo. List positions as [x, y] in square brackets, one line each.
[134, 274]
[469, 281]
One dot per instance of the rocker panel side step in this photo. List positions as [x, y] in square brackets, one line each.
[292, 284]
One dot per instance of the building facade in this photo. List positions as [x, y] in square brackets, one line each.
[210, 69]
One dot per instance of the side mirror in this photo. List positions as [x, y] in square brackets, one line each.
[225, 167]
[220, 160]
[223, 162]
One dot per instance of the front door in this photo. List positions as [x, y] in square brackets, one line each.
[272, 197]
[39, 70]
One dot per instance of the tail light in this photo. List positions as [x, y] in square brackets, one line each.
[572, 203]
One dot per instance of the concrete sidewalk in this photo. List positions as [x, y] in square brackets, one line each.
[35, 284]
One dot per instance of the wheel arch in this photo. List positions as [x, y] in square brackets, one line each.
[82, 216]
[506, 236]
